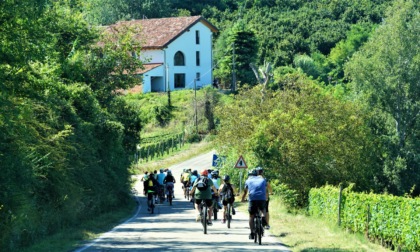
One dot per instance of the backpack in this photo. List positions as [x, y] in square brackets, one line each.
[229, 193]
[152, 185]
[186, 177]
[202, 183]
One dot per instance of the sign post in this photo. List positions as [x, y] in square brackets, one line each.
[240, 164]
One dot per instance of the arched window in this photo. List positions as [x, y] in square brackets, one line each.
[179, 59]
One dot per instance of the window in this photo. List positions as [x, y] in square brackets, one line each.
[197, 37]
[179, 80]
[197, 76]
[197, 58]
[179, 59]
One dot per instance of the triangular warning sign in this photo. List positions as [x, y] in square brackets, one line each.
[241, 163]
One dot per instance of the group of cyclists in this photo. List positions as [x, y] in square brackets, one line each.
[158, 187]
[216, 192]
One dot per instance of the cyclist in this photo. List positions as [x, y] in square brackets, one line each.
[185, 180]
[269, 191]
[182, 174]
[145, 176]
[203, 194]
[160, 177]
[193, 178]
[223, 192]
[169, 181]
[150, 185]
[216, 181]
[256, 186]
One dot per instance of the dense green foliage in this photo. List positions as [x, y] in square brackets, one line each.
[342, 106]
[392, 220]
[303, 135]
[386, 74]
[364, 132]
[64, 134]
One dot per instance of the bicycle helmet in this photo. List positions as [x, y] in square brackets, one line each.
[161, 170]
[204, 172]
[195, 173]
[252, 172]
[226, 178]
[259, 170]
[214, 174]
[169, 172]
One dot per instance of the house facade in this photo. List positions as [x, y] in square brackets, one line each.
[177, 52]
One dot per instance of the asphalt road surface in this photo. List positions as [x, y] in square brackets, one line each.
[173, 228]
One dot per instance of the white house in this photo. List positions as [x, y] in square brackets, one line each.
[177, 52]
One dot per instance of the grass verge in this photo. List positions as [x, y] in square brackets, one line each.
[72, 238]
[302, 233]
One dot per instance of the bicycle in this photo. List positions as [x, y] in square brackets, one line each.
[228, 215]
[258, 228]
[215, 206]
[161, 194]
[203, 215]
[188, 192]
[170, 192]
[150, 203]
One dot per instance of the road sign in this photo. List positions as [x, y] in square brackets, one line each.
[241, 163]
[214, 163]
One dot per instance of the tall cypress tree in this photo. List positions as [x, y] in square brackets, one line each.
[235, 50]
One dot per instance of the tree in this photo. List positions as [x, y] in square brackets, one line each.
[235, 50]
[386, 73]
[106, 12]
[66, 137]
[304, 136]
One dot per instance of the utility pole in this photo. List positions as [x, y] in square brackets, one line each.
[233, 70]
[168, 89]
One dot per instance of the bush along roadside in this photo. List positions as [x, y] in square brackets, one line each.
[392, 221]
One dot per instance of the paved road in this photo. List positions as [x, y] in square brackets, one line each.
[174, 228]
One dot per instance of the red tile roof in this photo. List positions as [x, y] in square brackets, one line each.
[159, 32]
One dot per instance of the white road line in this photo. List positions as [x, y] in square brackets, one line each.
[112, 230]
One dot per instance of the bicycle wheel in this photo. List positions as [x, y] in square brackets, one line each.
[260, 230]
[188, 193]
[256, 228]
[215, 210]
[204, 219]
[170, 197]
[152, 207]
[228, 216]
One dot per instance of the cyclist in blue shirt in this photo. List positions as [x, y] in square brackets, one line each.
[194, 176]
[160, 177]
[256, 187]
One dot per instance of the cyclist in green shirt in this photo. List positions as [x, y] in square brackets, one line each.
[201, 190]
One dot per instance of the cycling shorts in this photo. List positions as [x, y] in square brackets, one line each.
[150, 195]
[225, 202]
[209, 202]
[256, 205]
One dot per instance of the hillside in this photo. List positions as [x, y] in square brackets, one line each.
[340, 105]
